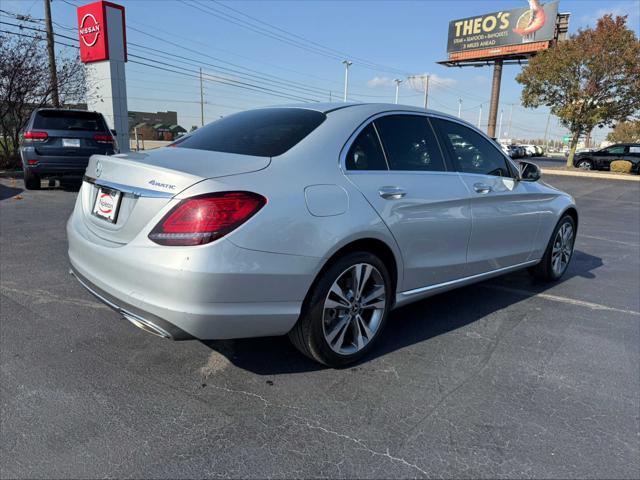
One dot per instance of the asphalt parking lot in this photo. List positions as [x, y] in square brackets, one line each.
[507, 378]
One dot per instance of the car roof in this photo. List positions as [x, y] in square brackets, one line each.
[51, 109]
[328, 107]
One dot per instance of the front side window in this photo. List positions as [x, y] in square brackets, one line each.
[365, 152]
[266, 132]
[471, 151]
[619, 150]
[410, 143]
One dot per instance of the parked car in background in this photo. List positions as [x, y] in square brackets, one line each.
[601, 159]
[530, 150]
[313, 220]
[58, 142]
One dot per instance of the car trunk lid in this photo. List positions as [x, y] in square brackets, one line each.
[149, 181]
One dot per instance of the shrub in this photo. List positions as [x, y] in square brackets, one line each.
[621, 166]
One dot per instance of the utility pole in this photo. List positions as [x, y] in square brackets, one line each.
[330, 97]
[459, 107]
[510, 115]
[53, 74]
[546, 131]
[500, 126]
[495, 98]
[201, 100]
[398, 82]
[347, 64]
[426, 92]
[480, 116]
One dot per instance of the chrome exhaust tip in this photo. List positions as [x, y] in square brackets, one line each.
[146, 325]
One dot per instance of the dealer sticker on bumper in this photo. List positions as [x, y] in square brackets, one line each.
[107, 204]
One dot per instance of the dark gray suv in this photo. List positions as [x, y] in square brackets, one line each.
[59, 142]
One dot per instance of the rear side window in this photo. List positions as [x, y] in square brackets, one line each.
[69, 120]
[365, 152]
[410, 143]
[267, 132]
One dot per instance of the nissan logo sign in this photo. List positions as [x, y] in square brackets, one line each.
[89, 30]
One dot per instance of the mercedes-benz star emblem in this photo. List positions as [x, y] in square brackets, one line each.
[98, 168]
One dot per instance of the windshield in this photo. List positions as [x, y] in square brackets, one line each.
[267, 132]
[69, 120]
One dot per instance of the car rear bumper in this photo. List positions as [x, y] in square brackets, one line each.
[215, 291]
[53, 164]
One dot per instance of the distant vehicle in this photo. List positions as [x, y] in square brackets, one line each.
[313, 220]
[58, 142]
[530, 150]
[601, 159]
[578, 151]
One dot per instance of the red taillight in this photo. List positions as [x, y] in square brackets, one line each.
[36, 136]
[32, 162]
[102, 138]
[203, 219]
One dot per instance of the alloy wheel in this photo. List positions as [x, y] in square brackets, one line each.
[354, 308]
[585, 165]
[562, 249]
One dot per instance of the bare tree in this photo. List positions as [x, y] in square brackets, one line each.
[25, 85]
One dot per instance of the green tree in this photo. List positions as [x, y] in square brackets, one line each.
[592, 79]
[625, 132]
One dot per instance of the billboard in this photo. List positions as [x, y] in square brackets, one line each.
[531, 27]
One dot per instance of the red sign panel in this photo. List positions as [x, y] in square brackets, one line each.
[93, 31]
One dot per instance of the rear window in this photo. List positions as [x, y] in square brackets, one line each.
[266, 132]
[68, 120]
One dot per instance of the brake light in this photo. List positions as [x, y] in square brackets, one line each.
[205, 218]
[36, 136]
[32, 162]
[103, 138]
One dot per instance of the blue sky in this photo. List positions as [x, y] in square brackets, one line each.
[396, 36]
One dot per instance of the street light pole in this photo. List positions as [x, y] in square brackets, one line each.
[500, 125]
[480, 116]
[201, 100]
[459, 107]
[398, 82]
[347, 64]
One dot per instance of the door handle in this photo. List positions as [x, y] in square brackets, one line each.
[482, 188]
[392, 193]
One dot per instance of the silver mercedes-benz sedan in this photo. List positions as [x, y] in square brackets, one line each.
[312, 220]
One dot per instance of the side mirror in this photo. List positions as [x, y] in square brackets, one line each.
[529, 172]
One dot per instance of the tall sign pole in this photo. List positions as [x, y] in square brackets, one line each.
[495, 98]
[53, 74]
[103, 50]
[201, 100]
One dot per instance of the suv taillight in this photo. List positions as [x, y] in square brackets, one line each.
[205, 218]
[102, 138]
[36, 136]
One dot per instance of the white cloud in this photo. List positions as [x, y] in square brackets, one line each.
[626, 8]
[380, 82]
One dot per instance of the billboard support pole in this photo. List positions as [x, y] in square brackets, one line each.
[495, 98]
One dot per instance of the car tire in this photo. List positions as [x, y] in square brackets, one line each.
[547, 269]
[31, 180]
[330, 335]
[585, 164]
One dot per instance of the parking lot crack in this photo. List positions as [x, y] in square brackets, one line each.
[363, 446]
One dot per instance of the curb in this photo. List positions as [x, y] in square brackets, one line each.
[607, 176]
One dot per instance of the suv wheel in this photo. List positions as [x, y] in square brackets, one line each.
[31, 180]
[345, 310]
[585, 164]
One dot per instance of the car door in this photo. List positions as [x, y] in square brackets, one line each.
[610, 154]
[397, 164]
[505, 212]
[633, 155]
